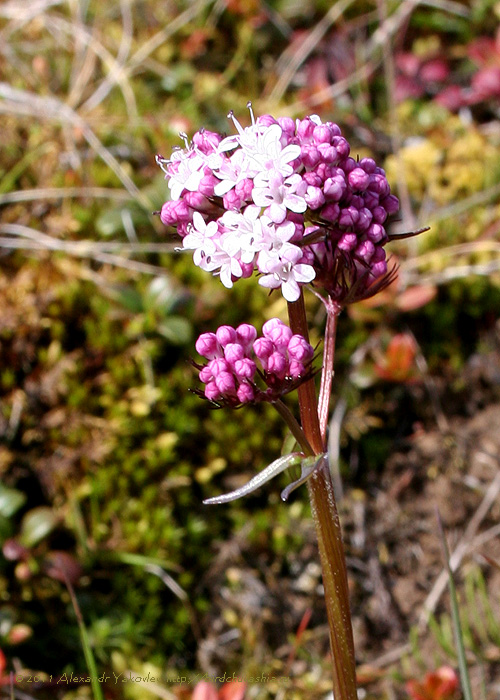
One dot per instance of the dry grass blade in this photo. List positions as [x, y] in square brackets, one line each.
[82, 249]
[464, 546]
[22, 102]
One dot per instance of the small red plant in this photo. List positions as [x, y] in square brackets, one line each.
[441, 684]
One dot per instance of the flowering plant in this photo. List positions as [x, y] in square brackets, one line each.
[285, 199]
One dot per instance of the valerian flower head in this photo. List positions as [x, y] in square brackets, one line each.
[243, 368]
[284, 199]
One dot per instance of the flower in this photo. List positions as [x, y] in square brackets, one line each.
[285, 200]
[231, 374]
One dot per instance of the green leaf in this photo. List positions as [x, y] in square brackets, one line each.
[10, 501]
[176, 329]
[36, 525]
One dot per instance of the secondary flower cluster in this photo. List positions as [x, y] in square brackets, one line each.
[230, 374]
[283, 198]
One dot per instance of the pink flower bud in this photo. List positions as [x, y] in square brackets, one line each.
[246, 334]
[245, 393]
[212, 392]
[233, 352]
[322, 134]
[266, 120]
[379, 214]
[342, 146]
[196, 200]
[295, 369]
[173, 212]
[287, 126]
[348, 242]
[305, 129]
[376, 233]
[245, 369]
[207, 346]
[365, 219]
[206, 141]
[314, 197]
[263, 348]
[218, 365]
[330, 212]
[278, 332]
[365, 251]
[368, 165]
[225, 383]
[348, 217]
[206, 375]
[225, 335]
[310, 155]
[277, 365]
[390, 204]
[329, 154]
[334, 188]
[299, 349]
[358, 179]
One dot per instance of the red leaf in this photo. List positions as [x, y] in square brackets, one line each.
[398, 363]
[415, 297]
[233, 690]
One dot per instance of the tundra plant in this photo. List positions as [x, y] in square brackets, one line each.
[285, 199]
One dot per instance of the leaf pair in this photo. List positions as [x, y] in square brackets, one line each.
[307, 465]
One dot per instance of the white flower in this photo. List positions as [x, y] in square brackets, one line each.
[185, 171]
[231, 170]
[202, 239]
[243, 236]
[280, 195]
[285, 271]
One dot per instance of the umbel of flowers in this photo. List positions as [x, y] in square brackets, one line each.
[282, 198]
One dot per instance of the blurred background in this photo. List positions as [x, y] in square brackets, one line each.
[106, 456]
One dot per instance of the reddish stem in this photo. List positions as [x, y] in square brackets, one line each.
[327, 523]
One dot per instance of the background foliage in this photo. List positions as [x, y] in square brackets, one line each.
[106, 455]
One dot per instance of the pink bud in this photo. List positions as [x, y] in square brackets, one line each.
[206, 141]
[277, 365]
[314, 197]
[246, 334]
[245, 368]
[376, 233]
[263, 348]
[278, 332]
[342, 146]
[212, 392]
[225, 383]
[368, 165]
[299, 349]
[206, 375]
[245, 393]
[173, 212]
[233, 352]
[390, 204]
[348, 242]
[295, 369]
[358, 179]
[207, 346]
[329, 154]
[225, 335]
[330, 212]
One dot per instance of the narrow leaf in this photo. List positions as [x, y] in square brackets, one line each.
[307, 466]
[457, 627]
[275, 468]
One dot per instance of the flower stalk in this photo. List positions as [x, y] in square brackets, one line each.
[325, 515]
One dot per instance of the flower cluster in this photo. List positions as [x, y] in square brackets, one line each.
[283, 198]
[231, 373]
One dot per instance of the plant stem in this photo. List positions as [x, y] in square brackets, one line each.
[294, 426]
[327, 522]
[333, 310]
